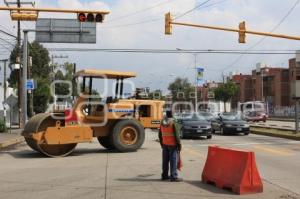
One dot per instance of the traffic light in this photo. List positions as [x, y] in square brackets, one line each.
[242, 32]
[168, 24]
[90, 17]
[24, 15]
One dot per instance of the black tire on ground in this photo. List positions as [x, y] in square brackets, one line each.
[209, 136]
[32, 144]
[222, 132]
[181, 135]
[106, 142]
[127, 135]
[246, 133]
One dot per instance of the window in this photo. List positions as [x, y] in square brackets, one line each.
[145, 110]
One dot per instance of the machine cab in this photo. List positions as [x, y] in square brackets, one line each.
[90, 107]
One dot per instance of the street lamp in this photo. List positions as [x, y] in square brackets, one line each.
[262, 82]
[196, 79]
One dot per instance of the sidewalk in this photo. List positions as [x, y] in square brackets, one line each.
[8, 139]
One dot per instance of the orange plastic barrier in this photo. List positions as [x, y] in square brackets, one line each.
[232, 169]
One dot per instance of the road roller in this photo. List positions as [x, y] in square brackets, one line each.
[117, 122]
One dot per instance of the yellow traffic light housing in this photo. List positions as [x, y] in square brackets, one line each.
[24, 15]
[242, 32]
[90, 17]
[168, 24]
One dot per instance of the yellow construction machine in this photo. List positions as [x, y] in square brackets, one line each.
[118, 123]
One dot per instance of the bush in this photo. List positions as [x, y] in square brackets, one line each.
[2, 126]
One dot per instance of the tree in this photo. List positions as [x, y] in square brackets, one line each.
[225, 92]
[40, 71]
[41, 96]
[181, 90]
[40, 63]
[64, 72]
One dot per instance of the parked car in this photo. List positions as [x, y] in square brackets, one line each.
[207, 115]
[194, 125]
[255, 116]
[230, 123]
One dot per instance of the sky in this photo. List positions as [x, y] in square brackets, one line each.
[140, 24]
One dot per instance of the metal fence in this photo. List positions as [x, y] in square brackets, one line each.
[282, 111]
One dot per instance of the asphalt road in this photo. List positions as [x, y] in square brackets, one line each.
[93, 172]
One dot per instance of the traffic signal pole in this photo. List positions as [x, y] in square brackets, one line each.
[57, 10]
[242, 29]
[237, 30]
[24, 78]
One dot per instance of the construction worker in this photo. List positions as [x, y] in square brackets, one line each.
[171, 146]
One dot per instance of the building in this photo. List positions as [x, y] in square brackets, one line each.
[269, 84]
[245, 92]
[206, 99]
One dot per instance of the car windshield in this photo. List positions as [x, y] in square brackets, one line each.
[206, 115]
[230, 116]
[194, 117]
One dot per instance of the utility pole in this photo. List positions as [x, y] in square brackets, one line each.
[4, 88]
[262, 85]
[18, 59]
[20, 69]
[196, 84]
[57, 57]
[297, 115]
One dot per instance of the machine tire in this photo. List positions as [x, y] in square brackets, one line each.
[222, 132]
[106, 142]
[209, 137]
[128, 135]
[181, 134]
[32, 144]
[41, 122]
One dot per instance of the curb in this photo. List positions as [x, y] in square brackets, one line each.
[261, 131]
[274, 127]
[11, 142]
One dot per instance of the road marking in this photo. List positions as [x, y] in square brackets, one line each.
[274, 151]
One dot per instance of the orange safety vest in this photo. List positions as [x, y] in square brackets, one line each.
[168, 137]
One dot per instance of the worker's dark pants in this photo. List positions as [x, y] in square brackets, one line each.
[169, 156]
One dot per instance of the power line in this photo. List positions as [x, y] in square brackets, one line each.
[133, 24]
[6, 29]
[191, 10]
[170, 51]
[7, 42]
[139, 11]
[6, 33]
[158, 19]
[262, 39]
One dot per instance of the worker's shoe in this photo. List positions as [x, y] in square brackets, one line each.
[163, 177]
[176, 179]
